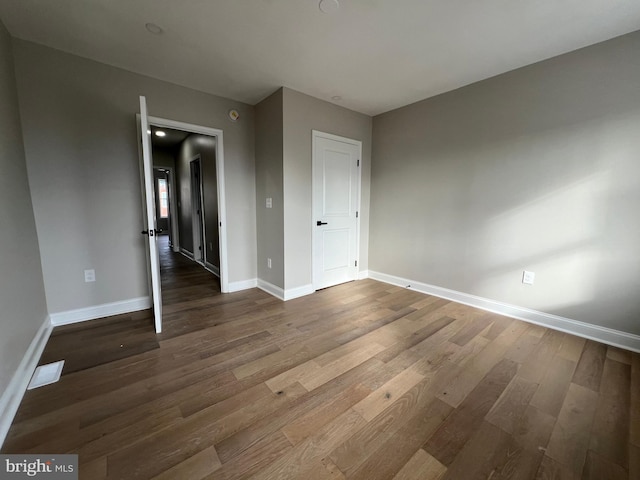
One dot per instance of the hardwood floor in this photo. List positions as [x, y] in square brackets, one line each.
[359, 381]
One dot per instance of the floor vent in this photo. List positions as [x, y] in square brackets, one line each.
[46, 374]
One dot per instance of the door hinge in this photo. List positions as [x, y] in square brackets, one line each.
[356, 214]
[358, 164]
[220, 223]
[356, 263]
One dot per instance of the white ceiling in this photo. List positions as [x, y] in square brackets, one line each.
[375, 54]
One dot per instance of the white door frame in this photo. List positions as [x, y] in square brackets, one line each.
[315, 134]
[222, 208]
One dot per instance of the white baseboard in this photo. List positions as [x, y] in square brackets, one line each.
[187, 253]
[212, 268]
[292, 293]
[598, 333]
[100, 311]
[242, 285]
[363, 274]
[271, 289]
[12, 396]
[285, 295]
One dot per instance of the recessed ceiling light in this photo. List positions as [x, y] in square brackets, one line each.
[328, 6]
[153, 28]
[336, 98]
[160, 133]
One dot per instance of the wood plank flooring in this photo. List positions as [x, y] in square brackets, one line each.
[359, 381]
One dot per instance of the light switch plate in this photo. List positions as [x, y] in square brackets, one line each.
[269, 202]
[90, 275]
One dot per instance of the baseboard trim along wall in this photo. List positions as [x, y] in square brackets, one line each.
[297, 292]
[598, 333]
[12, 396]
[212, 268]
[242, 285]
[363, 274]
[271, 289]
[100, 311]
[285, 295]
[187, 253]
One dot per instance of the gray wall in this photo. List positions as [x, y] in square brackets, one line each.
[164, 157]
[302, 114]
[269, 177]
[536, 169]
[204, 146]
[22, 299]
[80, 139]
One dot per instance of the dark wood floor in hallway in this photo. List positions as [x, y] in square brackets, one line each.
[359, 381]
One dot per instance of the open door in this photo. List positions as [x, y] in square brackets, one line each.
[151, 231]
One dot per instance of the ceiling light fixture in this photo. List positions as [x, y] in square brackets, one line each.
[160, 133]
[153, 28]
[336, 98]
[328, 6]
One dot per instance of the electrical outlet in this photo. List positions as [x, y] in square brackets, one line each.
[90, 275]
[268, 263]
[269, 202]
[528, 277]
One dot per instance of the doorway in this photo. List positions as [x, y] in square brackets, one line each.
[145, 125]
[195, 216]
[336, 203]
[164, 193]
[192, 237]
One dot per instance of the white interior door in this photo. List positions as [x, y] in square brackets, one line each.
[151, 231]
[336, 199]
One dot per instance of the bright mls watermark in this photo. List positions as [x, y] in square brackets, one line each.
[51, 467]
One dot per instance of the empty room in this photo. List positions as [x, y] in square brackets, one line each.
[320, 239]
